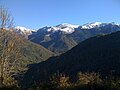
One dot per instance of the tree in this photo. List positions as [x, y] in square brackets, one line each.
[88, 78]
[9, 51]
[60, 80]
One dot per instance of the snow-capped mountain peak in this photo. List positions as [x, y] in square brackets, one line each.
[92, 25]
[69, 28]
[22, 30]
[65, 27]
[97, 25]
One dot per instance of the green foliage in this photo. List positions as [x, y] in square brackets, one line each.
[100, 35]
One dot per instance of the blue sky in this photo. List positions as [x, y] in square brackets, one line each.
[34, 14]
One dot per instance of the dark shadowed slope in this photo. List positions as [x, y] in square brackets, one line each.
[97, 54]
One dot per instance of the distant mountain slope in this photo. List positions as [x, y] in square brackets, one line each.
[55, 38]
[97, 54]
[25, 32]
[29, 52]
[63, 37]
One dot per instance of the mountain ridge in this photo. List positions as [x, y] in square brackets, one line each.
[63, 25]
[63, 37]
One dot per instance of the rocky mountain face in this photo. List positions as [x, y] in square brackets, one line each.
[22, 31]
[63, 37]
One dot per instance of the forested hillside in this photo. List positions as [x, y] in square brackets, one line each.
[98, 54]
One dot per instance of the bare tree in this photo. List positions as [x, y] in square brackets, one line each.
[9, 51]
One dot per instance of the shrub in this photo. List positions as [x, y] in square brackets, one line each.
[60, 80]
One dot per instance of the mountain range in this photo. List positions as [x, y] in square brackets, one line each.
[60, 39]
[63, 37]
[66, 48]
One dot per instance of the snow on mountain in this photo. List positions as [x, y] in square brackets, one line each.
[67, 28]
[96, 25]
[22, 30]
[92, 25]
[63, 37]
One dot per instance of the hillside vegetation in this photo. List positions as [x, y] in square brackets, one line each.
[16, 54]
[100, 54]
